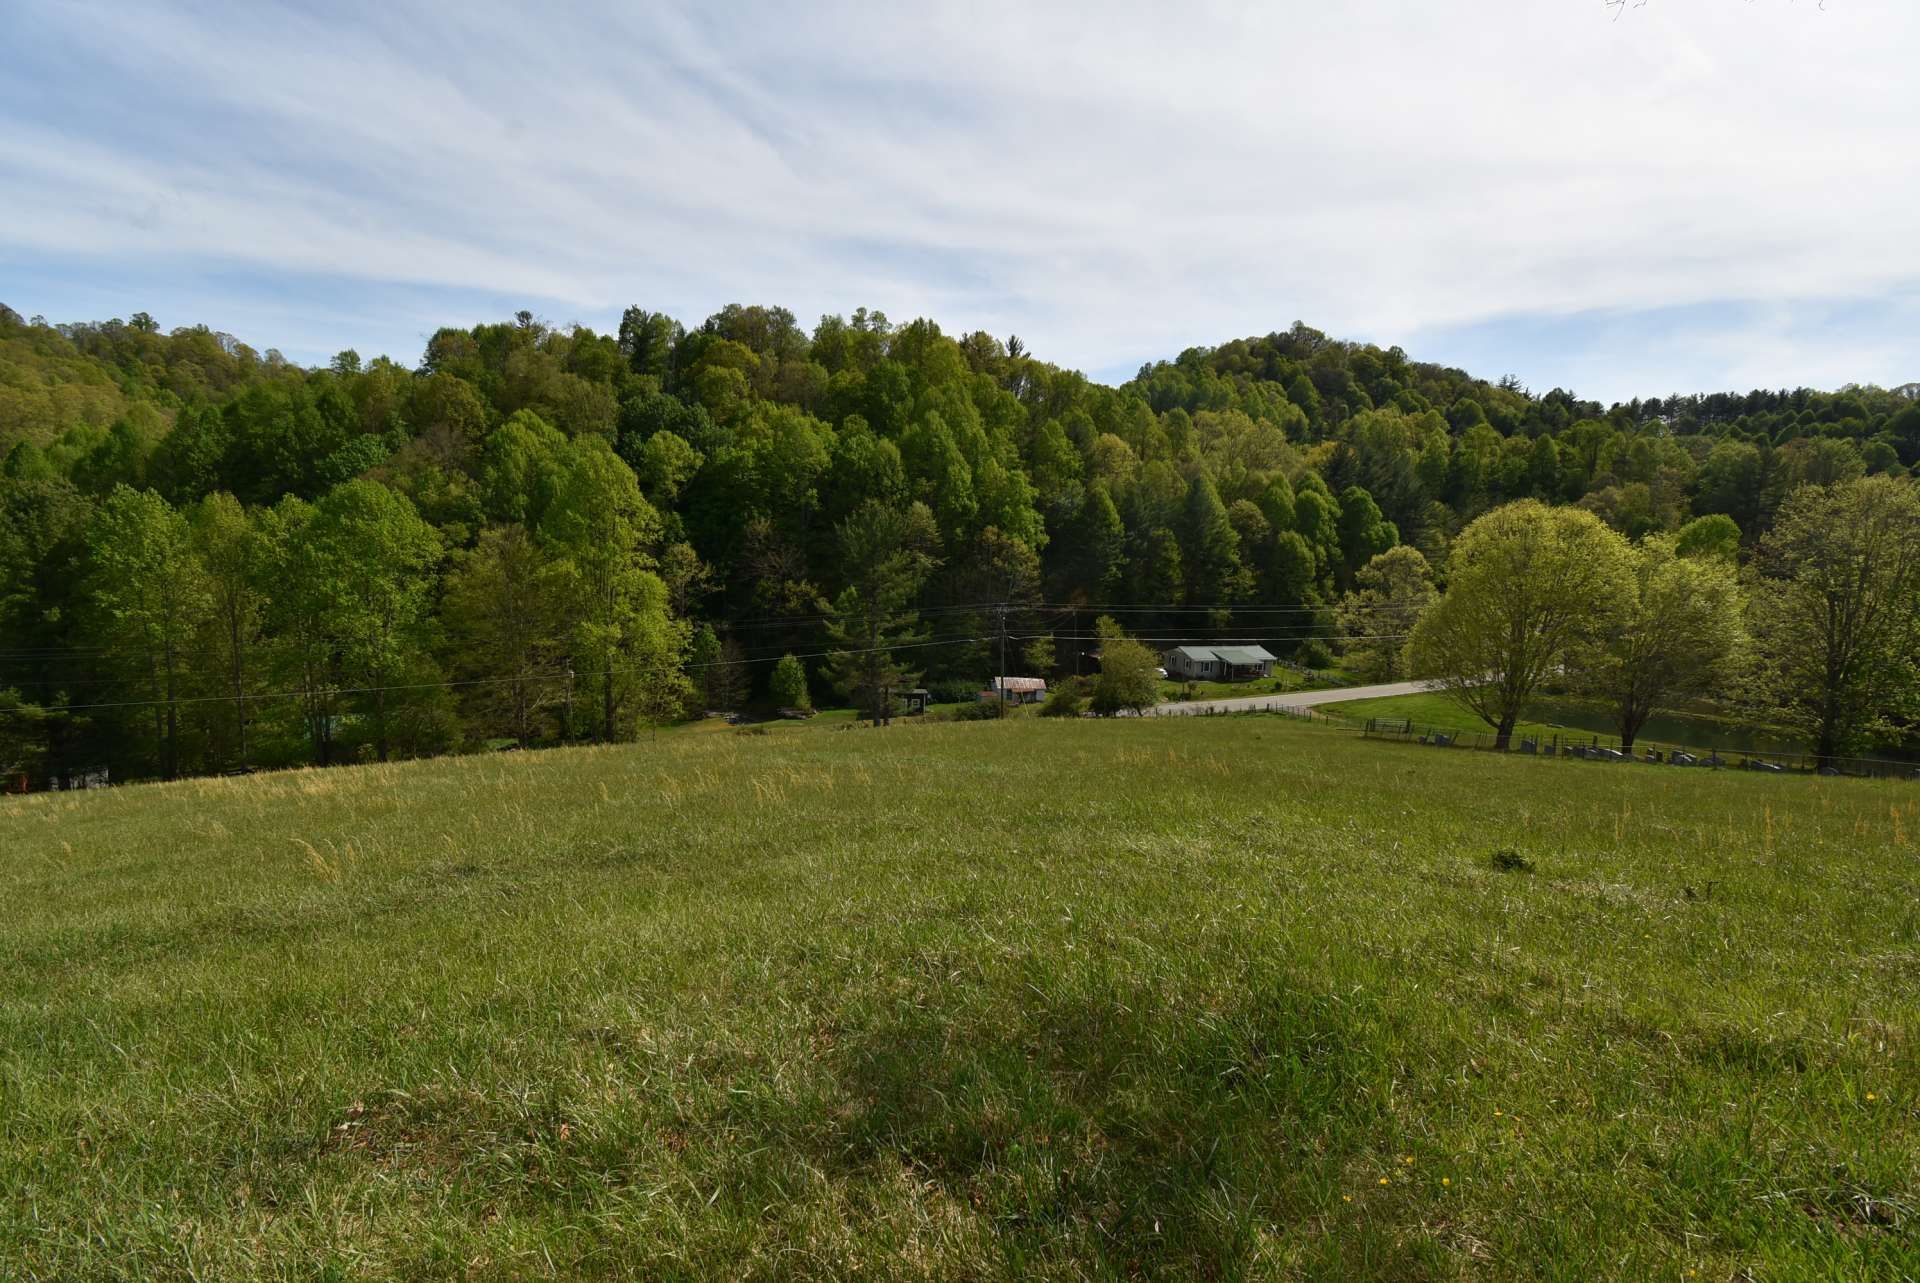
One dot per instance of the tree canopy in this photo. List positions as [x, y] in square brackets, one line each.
[1528, 589]
[348, 581]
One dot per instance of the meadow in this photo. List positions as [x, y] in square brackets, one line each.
[1226, 997]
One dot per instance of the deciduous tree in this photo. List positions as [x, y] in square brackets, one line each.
[367, 559]
[231, 548]
[1836, 613]
[600, 529]
[504, 615]
[1129, 679]
[1390, 594]
[1678, 635]
[1528, 586]
[149, 592]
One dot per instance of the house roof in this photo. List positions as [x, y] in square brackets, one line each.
[1018, 683]
[1244, 654]
[1226, 654]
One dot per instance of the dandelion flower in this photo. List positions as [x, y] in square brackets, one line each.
[1496, 1113]
[1446, 1180]
[1871, 1096]
[1346, 1198]
[1383, 1180]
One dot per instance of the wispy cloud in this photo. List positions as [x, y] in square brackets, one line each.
[1113, 183]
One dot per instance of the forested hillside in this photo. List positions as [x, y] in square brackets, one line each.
[212, 558]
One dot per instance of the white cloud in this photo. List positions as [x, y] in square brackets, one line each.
[1113, 183]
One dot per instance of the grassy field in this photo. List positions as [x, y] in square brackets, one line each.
[1549, 716]
[1283, 679]
[1231, 997]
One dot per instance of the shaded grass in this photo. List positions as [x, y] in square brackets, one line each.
[1015, 999]
[1574, 719]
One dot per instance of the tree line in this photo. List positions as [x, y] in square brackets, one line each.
[213, 558]
[1819, 631]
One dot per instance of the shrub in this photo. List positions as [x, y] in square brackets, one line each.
[1068, 699]
[1314, 654]
[788, 685]
[954, 690]
[981, 710]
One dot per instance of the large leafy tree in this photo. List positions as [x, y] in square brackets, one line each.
[1717, 535]
[1129, 679]
[302, 653]
[524, 464]
[1836, 613]
[626, 643]
[1378, 617]
[504, 615]
[1528, 588]
[367, 559]
[1678, 636]
[150, 595]
[236, 558]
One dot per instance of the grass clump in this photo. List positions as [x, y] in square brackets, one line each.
[1015, 999]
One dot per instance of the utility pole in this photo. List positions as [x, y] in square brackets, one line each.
[1003, 659]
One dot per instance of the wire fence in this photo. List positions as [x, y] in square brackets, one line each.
[1201, 708]
[1594, 747]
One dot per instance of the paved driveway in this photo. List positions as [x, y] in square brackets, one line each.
[1291, 699]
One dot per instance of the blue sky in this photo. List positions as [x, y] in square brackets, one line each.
[1699, 194]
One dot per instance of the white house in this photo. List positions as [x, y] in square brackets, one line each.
[1218, 663]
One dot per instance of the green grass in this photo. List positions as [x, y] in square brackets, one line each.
[1283, 679]
[1227, 997]
[823, 719]
[1582, 719]
[1437, 711]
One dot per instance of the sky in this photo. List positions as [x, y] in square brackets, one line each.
[1684, 195]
